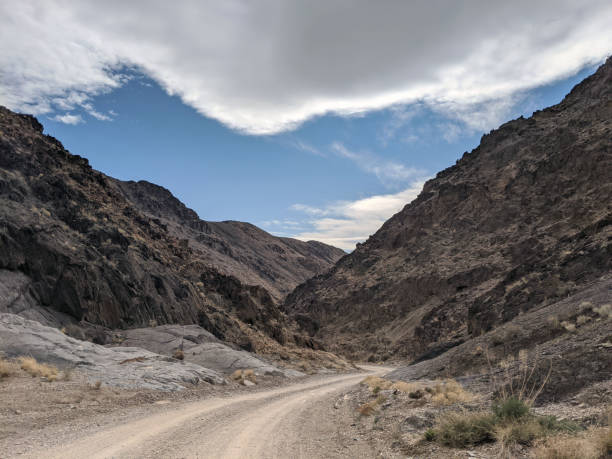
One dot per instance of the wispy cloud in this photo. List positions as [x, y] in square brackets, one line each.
[345, 223]
[68, 118]
[388, 172]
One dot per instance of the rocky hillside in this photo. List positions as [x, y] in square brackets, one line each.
[236, 248]
[519, 223]
[76, 245]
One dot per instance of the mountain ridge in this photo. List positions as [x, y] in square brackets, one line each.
[522, 220]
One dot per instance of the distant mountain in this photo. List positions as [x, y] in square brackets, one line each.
[235, 248]
[521, 222]
[76, 244]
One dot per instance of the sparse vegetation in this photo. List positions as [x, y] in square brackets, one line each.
[179, 354]
[369, 408]
[594, 444]
[463, 429]
[35, 369]
[376, 384]
[244, 375]
[8, 368]
[448, 392]
[604, 311]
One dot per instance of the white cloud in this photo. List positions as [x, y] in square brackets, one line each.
[388, 172]
[263, 67]
[345, 223]
[68, 118]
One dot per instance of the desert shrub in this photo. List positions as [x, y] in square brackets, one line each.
[430, 435]
[593, 445]
[582, 319]
[568, 326]
[464, 429]
[96, 386]
[8, 368]
[376, 390]
[417, 394]
[179, 354]
[511, 408]
[32, 367]
[523, 432]
[604, 311]
[244, 375]
[369, 408]
[448, 392]
[552, 424]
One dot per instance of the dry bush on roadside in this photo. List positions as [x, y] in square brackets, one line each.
[8, 368]
[32, 367]
[448, 392]
[244, 375]
[369, 408]
[96, 386]
[570, 327]
[376, 384]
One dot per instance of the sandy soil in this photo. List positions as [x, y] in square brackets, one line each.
[291, 421]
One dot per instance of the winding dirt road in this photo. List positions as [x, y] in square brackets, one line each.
[278, 423]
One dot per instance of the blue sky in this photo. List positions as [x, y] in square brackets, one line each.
[317, 120]
[227, 175]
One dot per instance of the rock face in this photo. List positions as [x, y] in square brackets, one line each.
[235, 248]
[127, 367]
[199, 347]
[75, 243]
[520, 222]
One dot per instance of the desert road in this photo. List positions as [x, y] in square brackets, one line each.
[282, 422]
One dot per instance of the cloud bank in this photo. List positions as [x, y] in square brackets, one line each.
[265, 67]
[345, 223]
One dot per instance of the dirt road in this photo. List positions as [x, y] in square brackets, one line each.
[289, 422]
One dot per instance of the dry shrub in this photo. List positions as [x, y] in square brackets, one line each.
[595, 444]
[582, 319]
[570, 327]
[244, 375]
[376, 384]
[96, 386]
[369, 408]
[523, 384]
[32, 367]
[179, 354]
[523, 433]
[448, 392]
[605, 311]
[8, 368]
[464, 429]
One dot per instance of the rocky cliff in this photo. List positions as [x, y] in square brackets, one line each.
[522, 221]
[76, 245]
[236, 248]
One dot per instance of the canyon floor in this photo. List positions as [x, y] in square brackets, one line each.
[270, 421]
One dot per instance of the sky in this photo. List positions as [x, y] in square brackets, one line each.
[316, 120]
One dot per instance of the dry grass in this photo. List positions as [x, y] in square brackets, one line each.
[244, 375]
[35, 369]
[605, 311]
[8, 368]
[376, 384]
[595, 444]
[448, 392]
[369, 408]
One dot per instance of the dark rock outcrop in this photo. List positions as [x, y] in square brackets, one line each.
[520, 222]
[78, 245]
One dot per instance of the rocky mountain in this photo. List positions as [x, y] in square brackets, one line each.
[77, 245]
[236, 248]
[519, 223]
